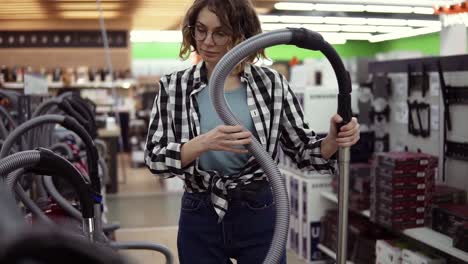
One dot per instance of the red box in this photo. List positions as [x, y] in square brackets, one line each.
[406, 160]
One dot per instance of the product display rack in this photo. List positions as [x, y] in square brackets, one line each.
[424, 235]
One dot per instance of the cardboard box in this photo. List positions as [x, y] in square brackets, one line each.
[388, 252]
[313, 207]
[413, 257]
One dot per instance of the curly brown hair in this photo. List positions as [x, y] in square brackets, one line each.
[238, 17]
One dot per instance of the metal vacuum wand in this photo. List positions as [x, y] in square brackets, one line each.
[343, 159]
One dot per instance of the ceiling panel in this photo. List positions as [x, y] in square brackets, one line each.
[140, 14]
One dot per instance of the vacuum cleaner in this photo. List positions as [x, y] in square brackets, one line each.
[306, 39]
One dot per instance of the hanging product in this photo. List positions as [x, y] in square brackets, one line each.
[382, 144]
[381, 86]
[419, 129]
[418, 82]
[380, 115]
[365, 105]
[452, 95]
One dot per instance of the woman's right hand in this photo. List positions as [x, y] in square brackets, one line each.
[226, 138]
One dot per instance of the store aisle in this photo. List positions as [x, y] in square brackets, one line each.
[146, 212]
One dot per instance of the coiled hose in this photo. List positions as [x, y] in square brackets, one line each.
[302, 38]
[39, 161]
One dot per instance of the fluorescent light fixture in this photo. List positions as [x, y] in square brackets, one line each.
[423, 10]
[266, 19]
[388, 9]
[345, 20]
[339, 8]
[334, 39]
[326, 28]
[354, 36]
[156, 36]
[301, 19]
[294, 6]
[389, 29]
[427, 3]
[358, 28]
[275, 26]
[423, 23]
[386, 22]
[404, 34]
[87, 6]
[88, 14]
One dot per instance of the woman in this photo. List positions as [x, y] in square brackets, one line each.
[227, 207]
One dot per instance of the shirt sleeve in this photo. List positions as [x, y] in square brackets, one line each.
[297, 140]
[162, 154]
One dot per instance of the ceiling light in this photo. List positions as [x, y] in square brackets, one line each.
[266, 19]
[275, 26]
[388, 29]
[156, 36]
[88, 14]
[388, 9]
[332, 28]
[335, 40]
[301, 19]
[423, 10]
[294, 6]
[404, 34]
[345, 20]
[87, 6]
[357, 28]
[386, 22]
[339, 8]
[355, 36]
[423, 23]
[427, 3]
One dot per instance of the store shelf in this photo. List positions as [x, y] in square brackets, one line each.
[333, 198]
[436, 240]
[423, 234]
[330, 253]
[125, 84]
[330, 196]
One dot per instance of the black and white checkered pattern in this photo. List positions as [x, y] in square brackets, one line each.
[276, 113]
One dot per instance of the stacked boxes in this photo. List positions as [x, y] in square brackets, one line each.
[414, 257]
[307, 208]
[362, 236]
[388, 252]
[401, 188]
[313, 208]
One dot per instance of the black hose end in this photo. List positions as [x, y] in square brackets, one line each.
[306, 39]
[52, 164]
[344, 109]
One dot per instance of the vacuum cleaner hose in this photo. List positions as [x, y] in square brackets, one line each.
[302, 38]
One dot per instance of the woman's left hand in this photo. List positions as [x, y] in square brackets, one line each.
[348, 135]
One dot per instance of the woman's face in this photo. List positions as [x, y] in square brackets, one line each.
[211, 38]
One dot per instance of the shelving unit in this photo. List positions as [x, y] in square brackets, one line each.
[330, 253]
[333, 198]
[422, 234]
[125, 84]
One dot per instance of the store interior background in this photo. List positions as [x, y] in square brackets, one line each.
[146, 207]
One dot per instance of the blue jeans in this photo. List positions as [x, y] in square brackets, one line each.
[244, 234]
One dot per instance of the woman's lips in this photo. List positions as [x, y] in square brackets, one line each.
[210, 53]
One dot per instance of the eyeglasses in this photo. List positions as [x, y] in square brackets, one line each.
[200, 33]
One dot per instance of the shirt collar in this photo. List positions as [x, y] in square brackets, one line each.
[200, 74]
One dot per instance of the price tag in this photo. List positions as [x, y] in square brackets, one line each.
[35, 84]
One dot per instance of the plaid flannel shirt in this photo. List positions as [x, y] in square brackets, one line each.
[276, 113]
